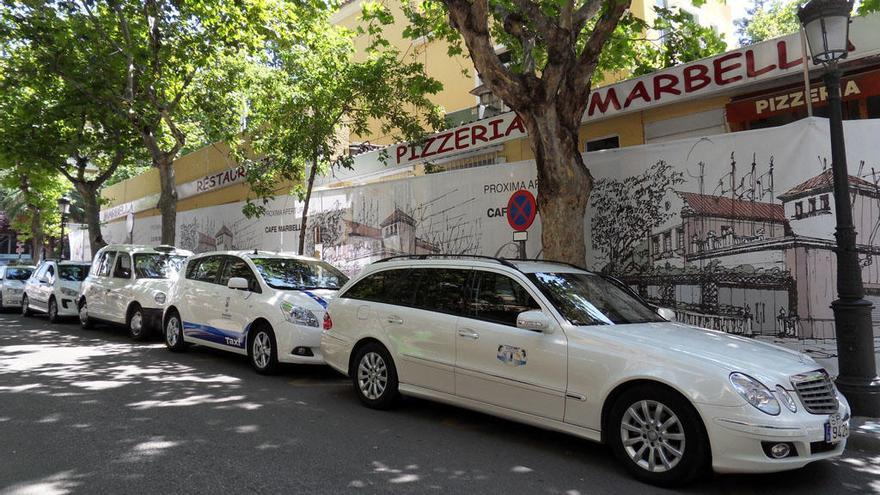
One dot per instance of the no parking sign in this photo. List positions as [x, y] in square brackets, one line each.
[521, 210]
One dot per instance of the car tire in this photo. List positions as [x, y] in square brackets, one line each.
[85, 321]
[658, 436]
[135, 323]
[25, 306]
[172, 331]
[374, 377]
[52, 311]
[263, 350]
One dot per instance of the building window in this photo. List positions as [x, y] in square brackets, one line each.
[679, 239]
[799, 209]
[655, 244]
[823, 201]
[812, 202]
[391, 230]
[603, 144]
[667, 242]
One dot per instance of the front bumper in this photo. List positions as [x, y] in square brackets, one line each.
[299, 344]
[11, 300]
[736, 435]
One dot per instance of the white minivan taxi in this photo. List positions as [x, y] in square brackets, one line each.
[563, 348]
[53, 289]
[12, 279]
[128, 285]
[268, 306]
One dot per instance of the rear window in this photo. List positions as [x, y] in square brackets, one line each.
[18, 273]
[378, 287]
[157, 265]
[73, 273]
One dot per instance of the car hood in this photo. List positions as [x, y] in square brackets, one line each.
[12, 284]
[316, 299]
[767, 362]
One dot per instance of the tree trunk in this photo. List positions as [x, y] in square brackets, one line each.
[38, 239]
[305, 217]
[564, 184]
[167, 199]
[92, 209]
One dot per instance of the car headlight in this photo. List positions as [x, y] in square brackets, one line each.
[159, 298]
[786, 398]
[755, 393]
[68, 292]
[299, 315]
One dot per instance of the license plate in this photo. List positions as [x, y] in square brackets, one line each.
[836, 429]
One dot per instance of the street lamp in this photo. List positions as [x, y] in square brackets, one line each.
[826, 24]
[63, 209]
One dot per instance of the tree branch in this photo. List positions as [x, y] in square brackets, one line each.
[584, 13]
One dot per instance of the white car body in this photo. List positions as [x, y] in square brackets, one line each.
[214, 315]
[11, 289]
[45, 286]
[124, 288]
[566, 377]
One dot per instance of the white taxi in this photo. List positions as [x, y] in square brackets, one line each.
[128, 285]
[12, 280]
[53, 289]
[268, 306]
[562, 348]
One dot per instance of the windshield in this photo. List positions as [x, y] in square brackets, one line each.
[157, 265]
[589, 299]
[289, 273]
[18, 273]
[73, 273]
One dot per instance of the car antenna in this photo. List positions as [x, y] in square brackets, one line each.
[255, 251]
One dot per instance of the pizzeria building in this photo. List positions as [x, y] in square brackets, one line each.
[752, 87]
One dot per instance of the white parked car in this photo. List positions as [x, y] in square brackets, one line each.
[128, 285]
[53, 289]
[269, 307]
[12, 280]
[565, 349]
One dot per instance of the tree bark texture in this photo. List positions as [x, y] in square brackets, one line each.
[167, 199]
[92, 208]
[305, 215]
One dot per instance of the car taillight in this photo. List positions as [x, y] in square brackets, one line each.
[328, 322]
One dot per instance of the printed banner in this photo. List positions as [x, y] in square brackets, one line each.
[733, 231]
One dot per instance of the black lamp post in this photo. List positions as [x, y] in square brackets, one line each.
[64, 209]
[826, 23]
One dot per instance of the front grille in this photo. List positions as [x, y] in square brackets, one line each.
[816, 392]
[820, 447]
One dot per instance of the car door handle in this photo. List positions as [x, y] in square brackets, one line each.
[395, 320]
[468, 333]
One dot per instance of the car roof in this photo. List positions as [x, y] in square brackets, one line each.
[524, 266]
[143, 248]
[251, 253]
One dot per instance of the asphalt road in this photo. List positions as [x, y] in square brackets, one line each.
[92, 412]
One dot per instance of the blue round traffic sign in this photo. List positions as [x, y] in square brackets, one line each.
[521, 210]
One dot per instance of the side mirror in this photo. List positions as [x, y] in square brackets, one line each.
[534, 320]
[238, 283]
[666, 313]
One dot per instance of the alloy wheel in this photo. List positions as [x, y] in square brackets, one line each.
[262, 350]
[172, 331]
[136, 324]
[652, 436]
[372, 376]
[53, 310]
[83, 314]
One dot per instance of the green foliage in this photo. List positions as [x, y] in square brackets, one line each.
[679, 39]
[313, 91]
[767, 20]
[869, 6]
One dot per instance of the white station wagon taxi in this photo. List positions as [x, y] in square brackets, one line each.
[53, 289]
[562, 348]
[268, 306]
